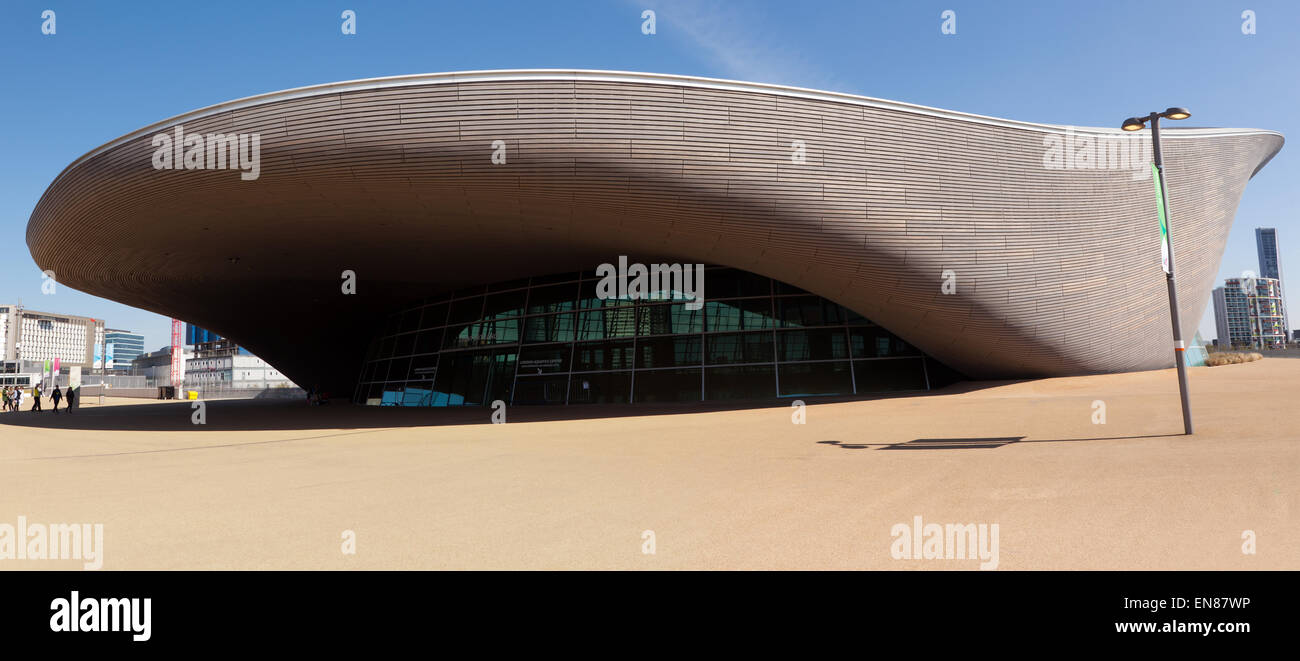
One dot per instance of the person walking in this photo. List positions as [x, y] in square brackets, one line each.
[36, 398]
[4, 393]
[72, 398]
[18, 399]
[56, 396]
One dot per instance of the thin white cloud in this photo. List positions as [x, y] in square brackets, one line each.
[731, 37]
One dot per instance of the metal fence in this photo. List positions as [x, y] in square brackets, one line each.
[231, 392]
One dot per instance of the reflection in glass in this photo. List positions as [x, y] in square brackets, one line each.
[550, 328]
[739, 348]
[820, 344]
[671, 318]
[551, 340]
[607, 323]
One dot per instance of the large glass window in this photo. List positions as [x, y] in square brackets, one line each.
[499, 331]
[743, 314]
[549, 328]
[607, 323]
[597, 356]
[875, 342]
[820, 344]
[739, 348]
[552, 340]
[671, 318]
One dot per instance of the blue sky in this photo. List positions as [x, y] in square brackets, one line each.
[115, 67]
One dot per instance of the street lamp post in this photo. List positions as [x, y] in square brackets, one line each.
[1136, 124]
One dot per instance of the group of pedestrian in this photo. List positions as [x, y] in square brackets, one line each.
[317, 397]
[13, 397]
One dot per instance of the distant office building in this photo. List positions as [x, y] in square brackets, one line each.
[1248, 313]
[232, 368]
[1270, 265]
[123, 348]
[157, 365]
[29, 335]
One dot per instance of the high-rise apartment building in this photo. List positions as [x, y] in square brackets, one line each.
[1248, 313]
[1270, 265]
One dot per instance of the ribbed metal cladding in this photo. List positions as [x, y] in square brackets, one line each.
[1057, 270]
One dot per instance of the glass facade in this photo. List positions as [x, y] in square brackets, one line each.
[551, 340]
[123, 347]
[196, 335]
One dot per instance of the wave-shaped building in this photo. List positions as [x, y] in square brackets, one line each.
[433, 239]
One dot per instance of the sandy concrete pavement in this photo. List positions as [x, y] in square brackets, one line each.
[269, 485]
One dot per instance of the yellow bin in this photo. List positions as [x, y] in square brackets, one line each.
[192, 394]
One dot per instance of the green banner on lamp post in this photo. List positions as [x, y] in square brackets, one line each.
[1164, 225]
